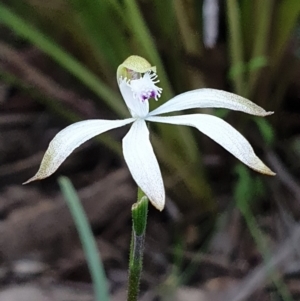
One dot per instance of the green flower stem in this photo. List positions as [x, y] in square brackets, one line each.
[139, 213]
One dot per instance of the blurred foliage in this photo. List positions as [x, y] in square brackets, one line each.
[89, 39]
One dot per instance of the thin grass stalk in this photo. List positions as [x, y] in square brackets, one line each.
[164, 18]
[190, 41]
[92, 22]
[261, 42]
[96, 16]
[186, 16]
[87, 239]
[166, 26]
[248, 34]
[287, 14]
[237, 69]
[117, 7]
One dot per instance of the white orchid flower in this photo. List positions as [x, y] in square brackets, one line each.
[137, 82]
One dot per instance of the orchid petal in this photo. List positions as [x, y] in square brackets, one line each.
[222, 133]
[136, 107]
[142, 163]
[209, 98]
[64, 143]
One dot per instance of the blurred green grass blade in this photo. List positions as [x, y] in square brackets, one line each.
[266, 130]
[166, 22]
[25, 30]
[186, 15]
[288, 12]
[247, 25]
[263, 22]
[237, 69]
[244, 188]
[96, 16]
[87, 239]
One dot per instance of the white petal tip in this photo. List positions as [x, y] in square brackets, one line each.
[262, 168]
[32, 179]
[29, 180]
[158, 201]
[158, 205]
[269, 113]
[268, 172]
